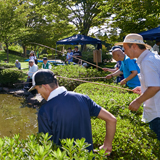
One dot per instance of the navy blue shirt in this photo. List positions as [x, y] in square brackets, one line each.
[68, 116]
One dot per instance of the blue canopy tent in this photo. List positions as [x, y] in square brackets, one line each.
[152, 34]
[79, 39]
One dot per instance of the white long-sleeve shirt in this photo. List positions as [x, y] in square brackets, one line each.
[32, 70]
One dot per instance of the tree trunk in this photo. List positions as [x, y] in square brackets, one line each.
[83, 47]
[7, 52]
[24, 50]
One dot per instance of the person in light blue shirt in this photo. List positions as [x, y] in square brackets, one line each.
[18, 64]
[128, 68]
[69, 57]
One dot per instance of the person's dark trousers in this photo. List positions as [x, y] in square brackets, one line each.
[28, 83]
[155, 126]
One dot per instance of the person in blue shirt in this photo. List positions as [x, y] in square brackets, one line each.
[117, 66]
[67, 114]
[69, 57]
[129, 68]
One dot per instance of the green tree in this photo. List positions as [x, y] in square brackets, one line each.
[134, 16]
[10, 21]
[43, 24]
[84, 14]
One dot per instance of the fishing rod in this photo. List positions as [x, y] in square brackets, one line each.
[93, 78]
[21, 83]
[79, 80]
[63, 53]
[95, 83]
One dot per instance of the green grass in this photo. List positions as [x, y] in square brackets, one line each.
[12, 58]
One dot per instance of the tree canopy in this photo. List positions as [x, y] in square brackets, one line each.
[49, 21]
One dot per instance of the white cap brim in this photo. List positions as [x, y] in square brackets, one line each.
[121, 43]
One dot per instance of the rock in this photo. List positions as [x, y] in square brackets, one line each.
[5, 89]
[1, 89]
[17, 92]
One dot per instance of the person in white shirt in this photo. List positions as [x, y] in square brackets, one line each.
[46, 64]
[33, 57]
[149, 64]
[32, 69]
[156, 46]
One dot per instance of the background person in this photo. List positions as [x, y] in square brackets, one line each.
[46, 64]
[85, 65]
[128, 68]
[117, 66]
[67, 114]
[33, 57]
[69, 57]
[18, 64]
[77, 54]
[32, 69]
[149, 76]
[156, 47]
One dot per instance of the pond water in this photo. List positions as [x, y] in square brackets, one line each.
[16, 117]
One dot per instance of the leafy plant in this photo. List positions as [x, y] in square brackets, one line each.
[9, 76]
[133, 138]
[75, 71]
[40, 148]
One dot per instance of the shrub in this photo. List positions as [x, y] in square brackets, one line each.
[9, 76]
[15, 47]
[39, 147]
[75, 71]
[133, 138]
[7, 65]
[107, 58]
[41, 57]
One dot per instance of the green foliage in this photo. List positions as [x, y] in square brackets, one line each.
[7, 65]
[107, 58]
[133, 138]
[3, 56]
[132, 17]
[91, 16]
[75, 71]
[15, 47]
[9, 76]
[41, 148]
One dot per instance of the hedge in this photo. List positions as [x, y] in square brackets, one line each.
[133, 138]
[76, 71]
[7, 65]
[9, 76]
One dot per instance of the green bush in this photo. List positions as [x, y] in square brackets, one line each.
[133, 138]
[16, 47]
[41, 57]
[40, 148]
[75, 71]
[7, 65]
[45, 55]
[9, 76]
[107, 57]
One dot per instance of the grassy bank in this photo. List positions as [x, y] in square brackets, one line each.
[12, 58]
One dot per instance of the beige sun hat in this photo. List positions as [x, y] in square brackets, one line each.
[133, 38]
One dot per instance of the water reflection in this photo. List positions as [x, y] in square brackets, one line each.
[15, 118]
